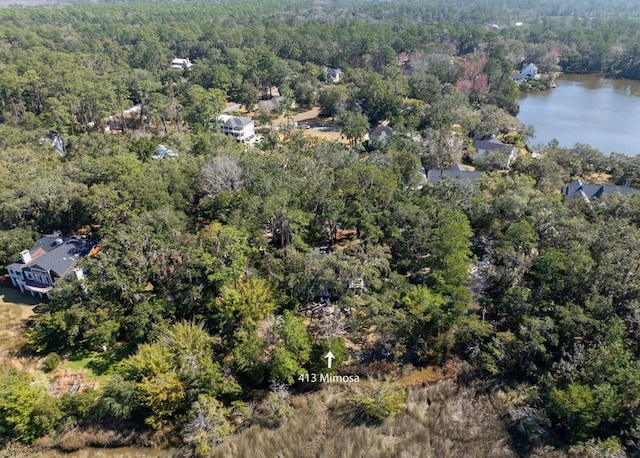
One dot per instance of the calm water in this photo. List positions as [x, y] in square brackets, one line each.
[588, 109]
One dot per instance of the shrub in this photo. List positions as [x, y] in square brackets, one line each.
[380, 399]
[50, 362]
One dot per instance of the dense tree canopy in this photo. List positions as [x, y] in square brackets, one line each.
[231, 268]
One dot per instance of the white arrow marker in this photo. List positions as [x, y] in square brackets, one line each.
[329, 356]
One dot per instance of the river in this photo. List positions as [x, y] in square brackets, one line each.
[604, 113]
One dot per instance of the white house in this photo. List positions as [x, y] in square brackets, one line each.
[242, 129]
[332, 75]
[181, 64]
[49, 259]
[530, 71]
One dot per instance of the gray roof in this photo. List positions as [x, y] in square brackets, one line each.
[51, 255]
[379, 130]
[518, 76]
[237, 122]
[333, 72]
[589, 191]
[271, 104]
[492, 144]
[434, 176]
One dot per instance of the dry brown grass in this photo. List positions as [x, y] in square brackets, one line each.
[15, 307]
[312, 116]
[301, 435]
[441, 420]
[105, 443]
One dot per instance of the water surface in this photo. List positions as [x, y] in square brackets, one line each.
[603, 113]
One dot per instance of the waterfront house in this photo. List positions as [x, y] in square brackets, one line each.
[588, 191]
[484, 147]
[530, 71]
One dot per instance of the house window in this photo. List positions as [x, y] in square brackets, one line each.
[42, 278]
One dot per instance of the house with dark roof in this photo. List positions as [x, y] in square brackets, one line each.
[240, 128]
[332, 75]
[518, 77]
[595, 191]
[49, 259]
[379, 136]
[274, 104]
[458, 172]
[485, 147]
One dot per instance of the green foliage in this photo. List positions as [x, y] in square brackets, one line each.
[353, 126]
[50, 362]
[173, 372]
[332, 100]
[581, 409]
[317, 360]
[244, 305]
[119, 399]
[208, 425]
[292, 351]
[379, 400]
[163, 396]
[80, 406]
[205, 105]
[429, 320]
[27, 412]
[14, 241]
[196, 237]
[450, 250]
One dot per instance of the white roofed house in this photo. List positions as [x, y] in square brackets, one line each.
[181, 64]
[240, 128]
[49, 259]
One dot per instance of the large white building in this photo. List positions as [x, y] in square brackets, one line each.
[240, 128]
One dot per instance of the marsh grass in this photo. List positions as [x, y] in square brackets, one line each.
[15, 308]
[442, 420]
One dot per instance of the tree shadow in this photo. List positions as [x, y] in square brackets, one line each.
[103, 363]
